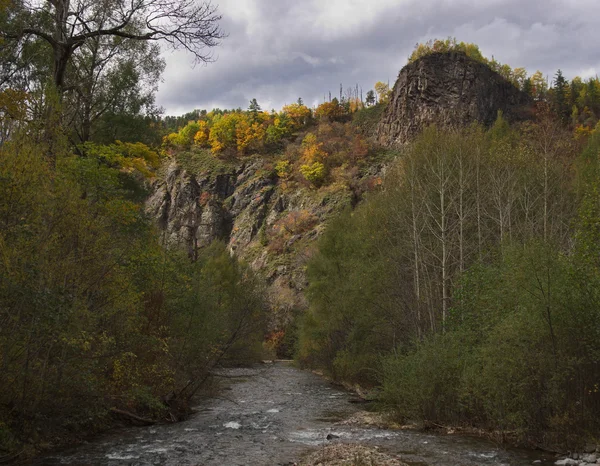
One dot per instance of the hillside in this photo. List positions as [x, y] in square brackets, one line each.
[271, 219]
[265, 220]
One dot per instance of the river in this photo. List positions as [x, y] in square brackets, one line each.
[272, 415]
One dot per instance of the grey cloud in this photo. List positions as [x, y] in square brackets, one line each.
[279, 50]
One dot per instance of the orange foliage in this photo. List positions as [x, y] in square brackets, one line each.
[298, 113]
[329, 110]
[249, 135]
[295, 223]
[201, 137]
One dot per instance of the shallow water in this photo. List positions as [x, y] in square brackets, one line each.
[272, 415]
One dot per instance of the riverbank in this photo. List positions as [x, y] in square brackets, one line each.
[277, 414]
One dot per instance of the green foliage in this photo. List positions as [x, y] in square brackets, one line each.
[444, 46]
[458, 288]
[94, 312]
[125, 156]
[283, 168]
[367, 119]
[200, 162]
[521, 355]
[425, 383]
[338, 332]
[280, 129]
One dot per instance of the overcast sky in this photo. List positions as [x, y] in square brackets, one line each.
[279, 50]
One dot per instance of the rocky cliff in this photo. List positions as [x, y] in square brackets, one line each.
[449, 90]
[266, 222]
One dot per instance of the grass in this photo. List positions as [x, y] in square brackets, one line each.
[199, 162]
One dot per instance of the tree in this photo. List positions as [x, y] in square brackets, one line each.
[114, 79]
[298, 113]
[383, 91]
[561, 104]
[329, 110]
[528, 87]
[66, 27]
[370, 100]
[518, 78]
[254, 107]
[538, 85]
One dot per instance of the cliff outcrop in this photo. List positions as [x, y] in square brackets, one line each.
[448, 90]
[266, 223]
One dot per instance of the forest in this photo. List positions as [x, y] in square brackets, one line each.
[465, 291]
[100, 319]
[464, 286]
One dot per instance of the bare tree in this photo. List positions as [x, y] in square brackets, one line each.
[66, 25]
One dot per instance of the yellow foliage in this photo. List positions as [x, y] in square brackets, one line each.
[314, 172]
[312, 149]
[13, 104]
[329, 110]
[223, 133]
[582, 131]
[201, 137]
[283, 168]
[298, 113]
[355, 104]
[383, 91]
[249, 135]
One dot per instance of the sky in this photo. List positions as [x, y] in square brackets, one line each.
[279, 50]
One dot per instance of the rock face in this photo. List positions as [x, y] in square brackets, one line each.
[187, 216]
[448, 90]
[267, 224]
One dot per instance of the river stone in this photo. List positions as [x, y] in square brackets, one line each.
[589, 448]
[591, 458]
[566, 462]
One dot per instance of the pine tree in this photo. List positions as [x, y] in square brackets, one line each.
[370, 98]
[561, 105]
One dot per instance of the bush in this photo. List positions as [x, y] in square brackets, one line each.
[315, 173]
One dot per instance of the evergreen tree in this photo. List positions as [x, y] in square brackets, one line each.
[370, 100]
[561, 105]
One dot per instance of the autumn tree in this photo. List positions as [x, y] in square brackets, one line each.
[383, 92]
[539, 85]
[313, 169]
[298, 112]
[329, 110]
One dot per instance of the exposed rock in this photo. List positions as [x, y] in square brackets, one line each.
[245, 206]
[448, 90]
[566, 462]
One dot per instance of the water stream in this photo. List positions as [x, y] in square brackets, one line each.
[272, 415]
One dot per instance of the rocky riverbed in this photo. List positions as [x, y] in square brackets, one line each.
[279, 415]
